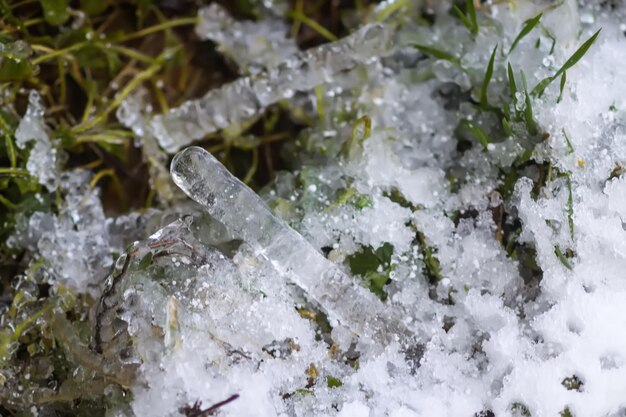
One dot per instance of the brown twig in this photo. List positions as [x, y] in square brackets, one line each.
[196, 411]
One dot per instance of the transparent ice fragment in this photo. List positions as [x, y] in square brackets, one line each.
[189, 294]
[32, 126]
[16, 51]
[131, 114]
[249, 96]
[43, 161]
[204, 179]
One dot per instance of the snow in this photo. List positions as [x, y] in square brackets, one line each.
[44, 158]
[78, 243]
[232, 300]
[487, 336]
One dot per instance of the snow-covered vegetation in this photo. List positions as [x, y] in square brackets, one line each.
[448, 238]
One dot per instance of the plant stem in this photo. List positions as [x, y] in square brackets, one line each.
[184, 21]
[59, 52]
[14, 172]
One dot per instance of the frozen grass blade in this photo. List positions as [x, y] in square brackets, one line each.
[361, 130]
[205, 180]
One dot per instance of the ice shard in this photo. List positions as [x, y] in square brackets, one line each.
[249, 96]
[204, 179]
[45, 158]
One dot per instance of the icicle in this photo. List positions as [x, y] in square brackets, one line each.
[204, 179]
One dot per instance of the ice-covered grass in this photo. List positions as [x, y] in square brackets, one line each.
[450, 241]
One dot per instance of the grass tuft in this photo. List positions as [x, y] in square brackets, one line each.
[469, 20]
[571, 61]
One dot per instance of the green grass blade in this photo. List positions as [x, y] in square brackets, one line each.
[464, 19]
[528, 116]
[573, 60]
[439, 54]
[14, 172]
[484, 102]
[313, 24]
[529, 25]
[512, 84]
[479, 134]
[507, 127]
[469, 5]
[559, 254]
[550, 36]
[562, 86]
[570, 207]
[528, 111]
[513, 89]
[570, 147]
[541, 86]
[580, 52]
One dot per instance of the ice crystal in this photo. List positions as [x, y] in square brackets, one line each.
[254, 46]
[78, 243]
[246, 97]
[44, 158]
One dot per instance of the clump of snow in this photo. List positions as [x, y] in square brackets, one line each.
[45, 158]
[79, 242]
